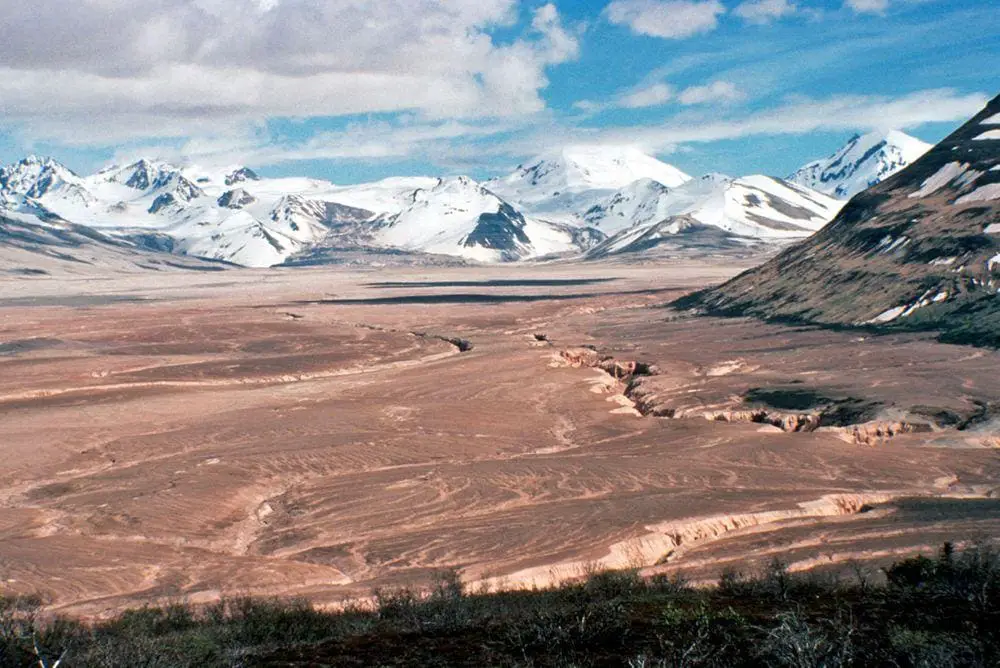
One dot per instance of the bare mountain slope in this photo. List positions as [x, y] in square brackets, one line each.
[920, 250]
[44, 244]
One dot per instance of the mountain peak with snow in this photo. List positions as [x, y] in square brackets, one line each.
[241, 175]
[563, 185]
[862, 162]
[34, 176]
[580, 168]
[604, 167]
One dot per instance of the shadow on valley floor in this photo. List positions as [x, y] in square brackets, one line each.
[472, 298]
[494, 283]
[69, 300]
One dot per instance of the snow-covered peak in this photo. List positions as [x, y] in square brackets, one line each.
[299, 218]
[861, 163]
[750, 209]
[143, 174]
[176, 189]
[241, 175]
[459, 216]
[640, 202]
[237, 198]
[579, 168]
[35, 176]
[454, 195]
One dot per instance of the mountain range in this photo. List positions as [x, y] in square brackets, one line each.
[917, 251]
[590, 201]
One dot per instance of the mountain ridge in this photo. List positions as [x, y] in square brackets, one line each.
[919, 251]
[564, 202]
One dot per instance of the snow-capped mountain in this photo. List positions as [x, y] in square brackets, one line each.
[34, 177]
[863, 162]
[640, 202]
[750, 209]
[563, 185]
[564, 202]
[236, 216]
[25, 182]
[461, 217]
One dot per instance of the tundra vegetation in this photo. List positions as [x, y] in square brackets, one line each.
[922, 611]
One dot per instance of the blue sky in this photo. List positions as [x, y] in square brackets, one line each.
[356, 91]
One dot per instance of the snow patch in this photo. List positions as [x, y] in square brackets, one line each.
[989, 135]
[985, 193]
[887, 316]
[940, 179]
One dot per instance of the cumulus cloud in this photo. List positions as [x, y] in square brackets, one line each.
[868, 6]
[764, 11]
[181, 66]
[669, 19]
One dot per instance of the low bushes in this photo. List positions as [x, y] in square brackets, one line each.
[942, 611]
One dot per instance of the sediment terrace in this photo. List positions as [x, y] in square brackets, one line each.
[322, 431]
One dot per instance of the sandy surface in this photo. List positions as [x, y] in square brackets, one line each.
[319, 432]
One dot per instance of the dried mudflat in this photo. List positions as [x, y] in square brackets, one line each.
[320, 432]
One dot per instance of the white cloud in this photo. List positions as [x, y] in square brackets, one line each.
[659, 93]
[764, 11]
[186, 66]
[491, 145]
[373, 140]
[717, 91]
[868, 6]
[793, 117]
[669, 19]
[649, 96]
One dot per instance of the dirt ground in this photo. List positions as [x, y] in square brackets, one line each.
[319, 432]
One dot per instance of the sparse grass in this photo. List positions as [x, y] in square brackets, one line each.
[940, 612]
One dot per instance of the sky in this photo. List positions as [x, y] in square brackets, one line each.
[356, 90]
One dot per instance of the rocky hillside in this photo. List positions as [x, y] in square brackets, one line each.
[921, 250]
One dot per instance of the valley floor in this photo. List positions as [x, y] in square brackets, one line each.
[318, 432]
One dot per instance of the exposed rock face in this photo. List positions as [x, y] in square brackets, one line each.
[162, 202]
[237, 198]
[502, 231]
[920, 250]
[178, 190]
[241, 175]
[621, 370]
[144, 175]
[873, 433]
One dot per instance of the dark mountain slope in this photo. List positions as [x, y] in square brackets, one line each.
[919, 251]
